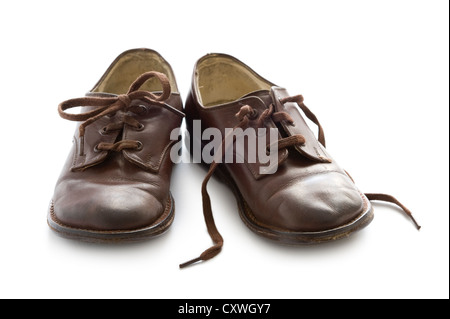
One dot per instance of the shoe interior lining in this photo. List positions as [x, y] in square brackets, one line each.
[223, 79]
[129, 67]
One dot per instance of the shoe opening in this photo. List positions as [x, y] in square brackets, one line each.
[222, 79]
[130, 65]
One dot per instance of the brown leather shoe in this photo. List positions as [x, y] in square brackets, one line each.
[309, 199]
[115, 183]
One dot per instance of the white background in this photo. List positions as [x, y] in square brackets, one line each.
[376, 73]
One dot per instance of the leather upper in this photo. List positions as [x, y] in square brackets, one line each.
[309, 192]
[127, 189]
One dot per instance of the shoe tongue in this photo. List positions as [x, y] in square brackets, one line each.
[312, 149]
[263, 95]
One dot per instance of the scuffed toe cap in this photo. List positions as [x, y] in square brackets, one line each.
[315, 203]
[110, 208]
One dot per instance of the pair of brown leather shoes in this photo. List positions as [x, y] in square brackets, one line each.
[115, 185]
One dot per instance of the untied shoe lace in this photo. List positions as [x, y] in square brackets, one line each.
[245, 114]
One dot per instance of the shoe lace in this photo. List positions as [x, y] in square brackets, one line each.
[103, 106]
[245, 115]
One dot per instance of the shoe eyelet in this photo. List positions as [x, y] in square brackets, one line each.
[104, 131]
[143, 110]
[140, 127]
[140, 146]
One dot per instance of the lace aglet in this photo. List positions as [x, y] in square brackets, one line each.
[415, 222]
[410, 215]
[391, 199]
[190, 262]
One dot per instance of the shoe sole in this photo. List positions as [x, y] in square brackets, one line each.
[286, 236]
[114, 236]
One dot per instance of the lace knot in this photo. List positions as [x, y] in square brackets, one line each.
[102, 106]
[125, 99]
[246, 111]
